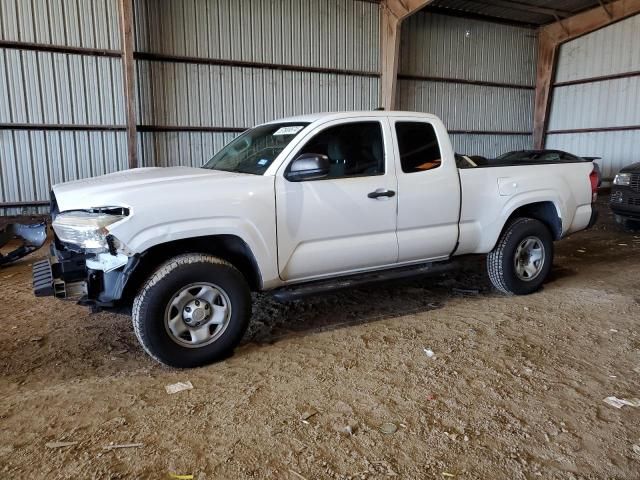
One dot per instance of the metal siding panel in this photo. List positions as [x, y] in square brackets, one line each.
[594, 105]
[242, 97]
[41, 165]
[8, 167]
[9, 20]
[318, 33]
[96, 153]
[32, 161]
[470, 107]
[607, 51]
[13, 76]
[443, 46]
[24, 169]
[490, 145]
[80, 23]
[141, 18]
[182, 148]
[603, 104]
[45, 87]
[617, 149]
[31, 78]
[56, 165]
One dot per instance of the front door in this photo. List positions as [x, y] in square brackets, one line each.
[346, 222]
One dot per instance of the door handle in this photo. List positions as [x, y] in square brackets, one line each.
[381, 192]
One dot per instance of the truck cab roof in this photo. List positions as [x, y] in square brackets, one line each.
[327, 116]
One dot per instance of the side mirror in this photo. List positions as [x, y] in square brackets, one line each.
[308, 166]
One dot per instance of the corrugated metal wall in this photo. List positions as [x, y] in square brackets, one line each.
[79, 23]
[320, 33]
[272, 58]
[477, 76]
[585, 97]
[41, 89]
[216, 66]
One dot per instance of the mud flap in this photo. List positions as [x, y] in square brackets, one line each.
[33, 237]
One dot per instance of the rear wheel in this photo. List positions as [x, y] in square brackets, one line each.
[192, 311]
[522, 259]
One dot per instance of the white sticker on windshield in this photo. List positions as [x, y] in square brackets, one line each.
[288, 130]
[263, 161]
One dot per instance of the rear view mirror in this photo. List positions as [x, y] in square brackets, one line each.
[308, 166]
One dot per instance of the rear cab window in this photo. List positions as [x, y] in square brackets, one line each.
[418, 146]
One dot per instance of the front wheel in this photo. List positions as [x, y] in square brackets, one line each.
[192, 311]
[522, 259]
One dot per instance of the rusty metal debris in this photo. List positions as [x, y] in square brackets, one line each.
[32, 236]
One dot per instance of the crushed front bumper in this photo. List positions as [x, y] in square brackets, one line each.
[60, 275]
[82, 277]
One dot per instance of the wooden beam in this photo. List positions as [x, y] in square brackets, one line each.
[393, 13]
[552, 36]
[606, 9]
[128, 69]
[594, 19]
[547, 52]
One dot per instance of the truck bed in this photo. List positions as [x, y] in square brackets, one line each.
[489, 195]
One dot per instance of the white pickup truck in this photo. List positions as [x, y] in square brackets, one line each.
[300, 206]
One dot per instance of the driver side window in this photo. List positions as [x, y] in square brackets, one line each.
[354, 149]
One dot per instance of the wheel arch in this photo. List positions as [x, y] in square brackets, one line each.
[231, 248]
[545, 212]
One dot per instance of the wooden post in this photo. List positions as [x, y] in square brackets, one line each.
[393, 13]
[552, 36]
[547, 51]
[128, 69]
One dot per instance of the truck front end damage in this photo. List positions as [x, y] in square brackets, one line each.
[87, 263]
[31, 238]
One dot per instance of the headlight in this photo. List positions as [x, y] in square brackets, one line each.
[87, 230]
[622, 179]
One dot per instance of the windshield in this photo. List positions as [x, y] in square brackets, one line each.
[254, 150]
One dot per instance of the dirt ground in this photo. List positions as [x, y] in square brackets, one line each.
[514, 391]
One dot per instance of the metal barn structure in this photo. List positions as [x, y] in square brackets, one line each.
[89, 87]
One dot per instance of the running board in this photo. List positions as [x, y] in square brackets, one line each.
[319, 287]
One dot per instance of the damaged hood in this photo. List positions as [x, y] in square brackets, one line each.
[166, 204]
[128, 187]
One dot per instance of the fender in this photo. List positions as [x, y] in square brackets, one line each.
[156, 234]
[491, 232]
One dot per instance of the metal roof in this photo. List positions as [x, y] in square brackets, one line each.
[531, 12]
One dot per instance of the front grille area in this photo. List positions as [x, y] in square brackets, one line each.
[616, 197]
[624, 197]
[635, 182]
[635, 201]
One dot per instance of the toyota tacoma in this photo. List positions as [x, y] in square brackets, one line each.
[302, 206]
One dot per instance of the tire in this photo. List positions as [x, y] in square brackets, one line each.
[505, 273]
[185, 340]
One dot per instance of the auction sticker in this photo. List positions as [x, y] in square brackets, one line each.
[288, 130]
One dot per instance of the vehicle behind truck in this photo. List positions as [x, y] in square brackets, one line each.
[301, 206]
